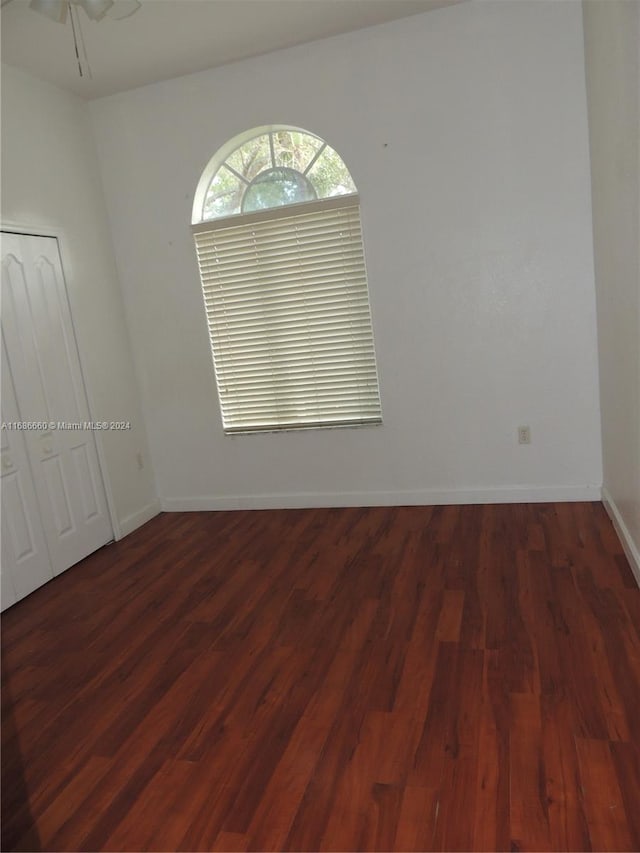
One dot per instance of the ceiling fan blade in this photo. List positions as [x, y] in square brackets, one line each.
[95, 9]
[123, 9]
[55, 10]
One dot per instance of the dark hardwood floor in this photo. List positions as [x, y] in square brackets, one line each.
[435, 678]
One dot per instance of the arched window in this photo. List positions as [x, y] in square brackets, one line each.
[272, 167]
[276, 220]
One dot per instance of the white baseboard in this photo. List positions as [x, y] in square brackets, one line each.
[423, 497]
[630, 547]
[137, 519]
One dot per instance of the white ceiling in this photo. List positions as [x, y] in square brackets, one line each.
[167, 38]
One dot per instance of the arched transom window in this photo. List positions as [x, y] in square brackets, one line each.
[276, 167]
[279, 241]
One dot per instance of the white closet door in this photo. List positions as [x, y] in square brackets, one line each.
[44, 362]
[25, 562]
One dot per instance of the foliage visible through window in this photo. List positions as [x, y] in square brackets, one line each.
[279, 244]
[276, 168]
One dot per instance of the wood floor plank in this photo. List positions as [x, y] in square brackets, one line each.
[417, 819]
[455, 826]
[135, 830]
[489, 789]
[568, 827]
[609, 828]
[56, 815]
[386, 678]
[626, 758]
[529, 814]
[228, 842]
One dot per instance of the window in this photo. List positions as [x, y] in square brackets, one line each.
[279, 244]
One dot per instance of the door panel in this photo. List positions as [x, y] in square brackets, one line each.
[88, 490]
[25, 561]
[50, 392]
[58, 495]
[7, 591]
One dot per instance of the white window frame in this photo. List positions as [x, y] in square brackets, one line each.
[318, 370]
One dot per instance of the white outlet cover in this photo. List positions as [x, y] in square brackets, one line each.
[524, 435]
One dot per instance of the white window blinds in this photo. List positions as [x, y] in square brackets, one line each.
[287, 305]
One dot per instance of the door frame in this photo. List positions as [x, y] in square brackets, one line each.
[58, 233]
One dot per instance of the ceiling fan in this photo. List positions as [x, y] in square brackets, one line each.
[96, 10]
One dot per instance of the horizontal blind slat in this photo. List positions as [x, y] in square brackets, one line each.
[281, 307]
[255, 369]
[295, 340]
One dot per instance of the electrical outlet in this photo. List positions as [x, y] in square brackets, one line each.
[524, 435]
[140, 461]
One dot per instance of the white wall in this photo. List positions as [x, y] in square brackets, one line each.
[50, 180]
[612, 46]
[466, 132]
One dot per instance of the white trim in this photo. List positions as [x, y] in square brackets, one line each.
[628, 545]
[426, 497]
[67, 267]
[271, 214]
[138, 518]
